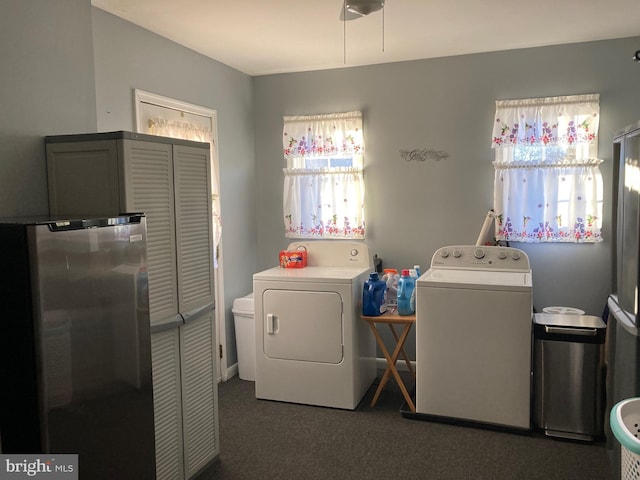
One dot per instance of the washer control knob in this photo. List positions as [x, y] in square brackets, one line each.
[354, 252]
[444, 253]
[502, 254]
[457, 253]
[478, 253]
[515, 255]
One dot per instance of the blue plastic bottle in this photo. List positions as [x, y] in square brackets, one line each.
[373, 303]
[406, 286]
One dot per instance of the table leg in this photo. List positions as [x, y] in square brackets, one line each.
[385, 377]
[402, 351]
[391, 364]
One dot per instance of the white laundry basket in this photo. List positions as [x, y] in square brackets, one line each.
[625, 424]
[243, 315]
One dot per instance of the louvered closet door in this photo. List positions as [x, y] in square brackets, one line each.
[167, 404]
[192, 170]
[149, 189]
[200, 394]
[195, 297]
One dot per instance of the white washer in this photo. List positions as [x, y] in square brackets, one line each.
[473, 336]
[312, 347]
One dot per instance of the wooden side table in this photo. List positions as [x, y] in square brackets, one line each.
[391, 319]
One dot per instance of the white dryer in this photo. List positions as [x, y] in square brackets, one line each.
[312, 347]
[474, 311]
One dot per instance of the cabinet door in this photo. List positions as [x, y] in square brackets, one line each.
[199, 394]
[148, 188]
[83, 178]
[192, 180]
[167, 404]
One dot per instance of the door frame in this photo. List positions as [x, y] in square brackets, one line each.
[140, 97]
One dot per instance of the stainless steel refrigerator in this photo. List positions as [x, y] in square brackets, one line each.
[75, 345]
[623, 331]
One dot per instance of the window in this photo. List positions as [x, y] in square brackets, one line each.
[548, 185]
[168, 117]
[323, 180]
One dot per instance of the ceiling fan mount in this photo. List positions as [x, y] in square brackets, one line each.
[353, 9]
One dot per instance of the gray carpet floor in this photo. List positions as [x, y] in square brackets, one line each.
[266, 440]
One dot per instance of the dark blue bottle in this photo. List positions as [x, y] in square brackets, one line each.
[373, 296]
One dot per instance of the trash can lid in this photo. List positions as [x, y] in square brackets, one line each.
[568, 320]
[563, 310]
[244, 304]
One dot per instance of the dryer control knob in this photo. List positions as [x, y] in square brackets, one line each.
[354, 252]
[502, 255]
[444, 253]
[478, 253]
[457, 253]
[515, 255]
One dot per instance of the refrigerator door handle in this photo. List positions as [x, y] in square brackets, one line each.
[587, 332]
[168, 325]
[196, 313]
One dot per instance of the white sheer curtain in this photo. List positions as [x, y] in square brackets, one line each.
[548, 185]
[323, 182]
[184, 130]
[190, 131]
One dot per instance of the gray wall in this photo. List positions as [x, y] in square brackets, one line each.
[46, 88]
[128, 57]
[448, 104]
[50, 86]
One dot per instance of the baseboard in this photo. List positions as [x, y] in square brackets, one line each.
[231, 372]
[381, 364]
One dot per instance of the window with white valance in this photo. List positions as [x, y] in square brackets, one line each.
[323, 180]
[548, 185]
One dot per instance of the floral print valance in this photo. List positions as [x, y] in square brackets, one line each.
[323, 182]
[548, 186]
[563, 121]
[323, 135]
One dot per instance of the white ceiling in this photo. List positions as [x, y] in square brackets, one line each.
[260, 37]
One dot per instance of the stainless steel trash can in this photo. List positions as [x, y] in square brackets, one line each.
[569, 375]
